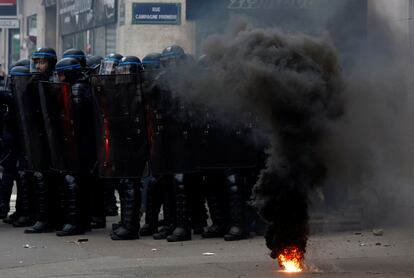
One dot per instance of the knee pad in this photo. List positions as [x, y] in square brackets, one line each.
[38, 176]
[234, 189]
[21, 174]
[231, 179]
[179, 178]
[180, 188]
[70, 181]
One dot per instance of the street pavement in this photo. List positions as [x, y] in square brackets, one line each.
[340, 254]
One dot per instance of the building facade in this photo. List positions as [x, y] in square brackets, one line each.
[399, 17]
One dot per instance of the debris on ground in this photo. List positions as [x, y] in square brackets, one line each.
[29, 246]
[378, 232]
[79, 241]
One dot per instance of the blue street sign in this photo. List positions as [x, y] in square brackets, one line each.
[156, 13]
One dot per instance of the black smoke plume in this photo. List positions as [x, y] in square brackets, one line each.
[293, 84]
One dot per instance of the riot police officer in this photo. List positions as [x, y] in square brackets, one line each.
[33, 156]
[71, 141]
[10, 145]
[172, 151]
[122, 140]
[93, 64]
[158, 190]
[228, 161]
[107, 67]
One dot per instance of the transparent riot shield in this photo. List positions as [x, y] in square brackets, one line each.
[122, 141]
[58, 114]
[33, 139]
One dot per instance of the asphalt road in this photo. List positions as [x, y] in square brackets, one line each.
[345, 254]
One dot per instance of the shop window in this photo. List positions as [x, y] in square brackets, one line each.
[31, 41]
[99, 39]
[80, 40]
[68, 42]
[14, 45]
[110, 38]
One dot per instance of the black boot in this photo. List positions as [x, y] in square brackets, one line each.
[4, 205]
[238, 221]
[8, 175]
[152, 210]
[11, 218]
[163, 232]
[121, 193]
[25, 218]
[166, 185]
[129, 228]
[98, 222]
[15, 215]
[111, 208]
[72, 225]
[182, 231]
[42, 224]
[218, 212]
[197, 202]
[97, 203]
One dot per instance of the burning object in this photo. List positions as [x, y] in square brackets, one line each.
[291, 259]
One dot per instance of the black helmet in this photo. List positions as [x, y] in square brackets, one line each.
[93, 62]
[152, 61]
[129, 65]
[171, 55]
[19, 71]
[204, 61]
[40, 57]
[70, 68]
[76, 54]
[23, 63]
[109, 63]
[16, 71]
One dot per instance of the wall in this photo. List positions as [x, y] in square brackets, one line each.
[140, 40]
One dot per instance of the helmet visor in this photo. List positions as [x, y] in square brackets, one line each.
[126, 69]
[107, 67]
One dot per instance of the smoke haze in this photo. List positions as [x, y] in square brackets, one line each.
[349, 131]
[292, 83]
[369, 152]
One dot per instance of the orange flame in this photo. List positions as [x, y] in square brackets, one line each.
[291, 259]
